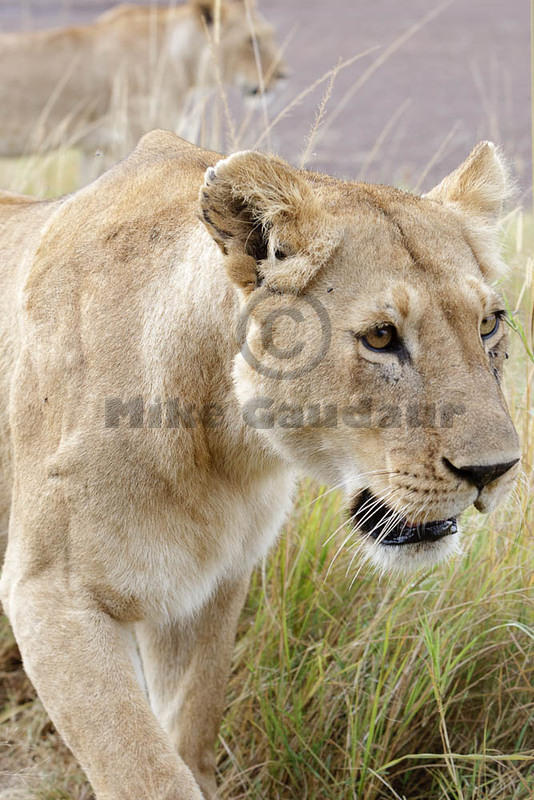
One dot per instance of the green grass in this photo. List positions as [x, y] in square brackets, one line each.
[43, 176]
[416, 688]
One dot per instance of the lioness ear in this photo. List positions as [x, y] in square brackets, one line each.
[204, 9]
[478, 189]
[479, 186]
[268, 222]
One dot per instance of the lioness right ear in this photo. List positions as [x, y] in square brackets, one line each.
[479, 186]
[478, 189]
[267, 220]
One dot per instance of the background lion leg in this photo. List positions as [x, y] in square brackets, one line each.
[75, 655]
[186, 668]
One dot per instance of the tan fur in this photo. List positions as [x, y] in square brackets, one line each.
[133, 287]
[101, 85]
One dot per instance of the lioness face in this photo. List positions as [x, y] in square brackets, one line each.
[372, 342]
[244, 48]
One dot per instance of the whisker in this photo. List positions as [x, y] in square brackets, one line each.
[397, 514]
[334, 488]
[374, 501]
[349, 535]
[368, 510]
[367, 474]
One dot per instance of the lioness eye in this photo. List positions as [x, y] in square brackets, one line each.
[489, 326]
[380, 338]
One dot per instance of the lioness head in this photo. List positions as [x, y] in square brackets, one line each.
[371, 339]
[243, 50]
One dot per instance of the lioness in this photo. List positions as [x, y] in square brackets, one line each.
[173, 336]
[95, 85]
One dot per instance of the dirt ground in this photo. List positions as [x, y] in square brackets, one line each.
[463, 75]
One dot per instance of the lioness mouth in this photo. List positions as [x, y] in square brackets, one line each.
[374, 517]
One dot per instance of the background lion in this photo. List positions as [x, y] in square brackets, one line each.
[100, 86]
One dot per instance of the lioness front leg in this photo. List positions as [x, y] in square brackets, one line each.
[76, 657]
[186, 667]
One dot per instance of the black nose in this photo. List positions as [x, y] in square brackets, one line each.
[480, 476]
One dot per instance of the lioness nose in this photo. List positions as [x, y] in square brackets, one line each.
[480, 476]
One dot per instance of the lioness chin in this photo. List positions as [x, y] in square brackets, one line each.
[180, 340]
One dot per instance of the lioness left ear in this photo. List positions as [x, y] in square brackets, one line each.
[479, 186]
[268, 221]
